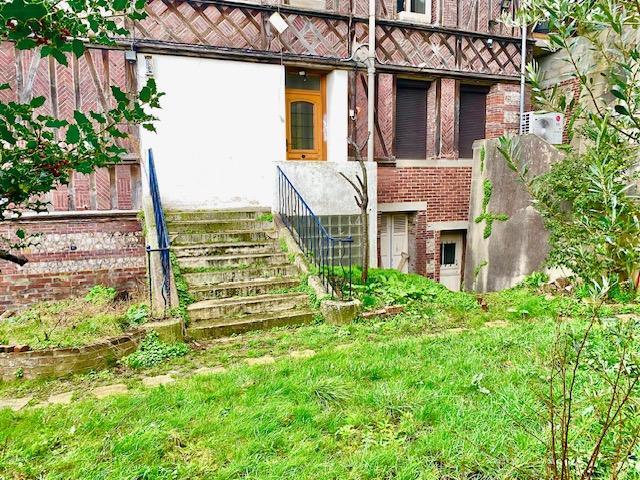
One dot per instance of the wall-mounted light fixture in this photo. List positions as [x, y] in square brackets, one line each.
[130, 56]
[490, 42]
[505, 6]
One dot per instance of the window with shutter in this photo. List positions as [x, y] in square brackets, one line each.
[472, 118]
[411, 119]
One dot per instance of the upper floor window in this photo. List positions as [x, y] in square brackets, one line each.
[411, 119]
[308, 4]
[414, 10]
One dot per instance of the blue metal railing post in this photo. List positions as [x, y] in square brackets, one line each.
[313, 238]
[162, 234]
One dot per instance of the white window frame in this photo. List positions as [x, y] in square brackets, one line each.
[409, 16]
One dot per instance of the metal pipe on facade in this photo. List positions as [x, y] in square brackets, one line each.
[523, 66]
[371, 80]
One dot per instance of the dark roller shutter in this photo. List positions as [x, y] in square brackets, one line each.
[411, 119]
[473, 107]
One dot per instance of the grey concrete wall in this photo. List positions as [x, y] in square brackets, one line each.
[329, 194]
[518, 246]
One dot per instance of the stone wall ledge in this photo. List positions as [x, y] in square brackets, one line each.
[75, 215]
[57, 362]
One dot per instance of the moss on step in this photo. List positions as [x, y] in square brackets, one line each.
[184, 297]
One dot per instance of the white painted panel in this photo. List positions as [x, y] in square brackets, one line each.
[337, 118]
[451, 274]
[385, 241]
[400, 242]
[221, 130]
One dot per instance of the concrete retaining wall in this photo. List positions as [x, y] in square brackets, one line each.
[57, 362]
[518, 246]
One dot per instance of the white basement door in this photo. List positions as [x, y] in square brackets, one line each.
[394, 242]
[451, 260]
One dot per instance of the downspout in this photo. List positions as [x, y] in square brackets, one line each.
[371, 80]
[523, 70]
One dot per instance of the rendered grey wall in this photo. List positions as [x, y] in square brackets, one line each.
[518, 246]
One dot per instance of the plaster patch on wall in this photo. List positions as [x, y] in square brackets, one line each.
[71, 266]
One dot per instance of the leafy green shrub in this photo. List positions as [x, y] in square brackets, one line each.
[152, 351]
[535, 280]
[390, 287]
[100, 295]
[137, 314]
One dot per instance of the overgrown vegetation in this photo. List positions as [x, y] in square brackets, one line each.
[39, 152]
[184, 297]
[397, 397]
[485, 215]
[589, 204]
[73, 322]
[153, 351]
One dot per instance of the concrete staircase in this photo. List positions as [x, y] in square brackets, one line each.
[236, 273]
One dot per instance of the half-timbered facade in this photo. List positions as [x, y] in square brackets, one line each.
[243, 96]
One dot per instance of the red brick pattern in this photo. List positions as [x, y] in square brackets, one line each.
[84, 84]
[503, 106]
[446, 190]
[385, 116]
[433, 103]
[246, 29]
[449, 118]
[73, 255]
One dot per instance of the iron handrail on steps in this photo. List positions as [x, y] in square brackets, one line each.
[331, 255]
[162, 234]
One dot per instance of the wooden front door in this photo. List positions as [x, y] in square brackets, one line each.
[305, 116]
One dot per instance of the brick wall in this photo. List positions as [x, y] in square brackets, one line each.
[72, 254]
[444, 189]
[503, 109]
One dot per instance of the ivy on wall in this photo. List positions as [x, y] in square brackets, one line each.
[486, 215]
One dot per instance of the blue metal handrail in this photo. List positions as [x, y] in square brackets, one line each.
[162, 234]
[328, 253]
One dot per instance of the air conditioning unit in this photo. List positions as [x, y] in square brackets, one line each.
[547, 125]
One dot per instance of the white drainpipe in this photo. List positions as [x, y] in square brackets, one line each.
[523, 66]
[371, 82]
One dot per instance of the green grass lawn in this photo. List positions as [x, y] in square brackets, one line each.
[445, 390]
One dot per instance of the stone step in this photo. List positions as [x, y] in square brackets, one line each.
[210, 310]
[197, 279]
[230, 236]
[243, 289]
[242, 213]
[203, 330]
[216, 249]
[222, 261]
[214, 226]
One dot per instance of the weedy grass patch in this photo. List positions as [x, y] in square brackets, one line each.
[73, 322]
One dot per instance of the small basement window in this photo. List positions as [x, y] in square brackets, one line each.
[447, 254]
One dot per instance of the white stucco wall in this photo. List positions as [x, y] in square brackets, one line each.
[221, 133]
[221, 129]
[337, 118]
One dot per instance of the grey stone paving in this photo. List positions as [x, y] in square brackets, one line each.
[108, 390]
[15, 404]
[157, 380]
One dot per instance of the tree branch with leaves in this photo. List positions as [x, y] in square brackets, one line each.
[40, 152]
